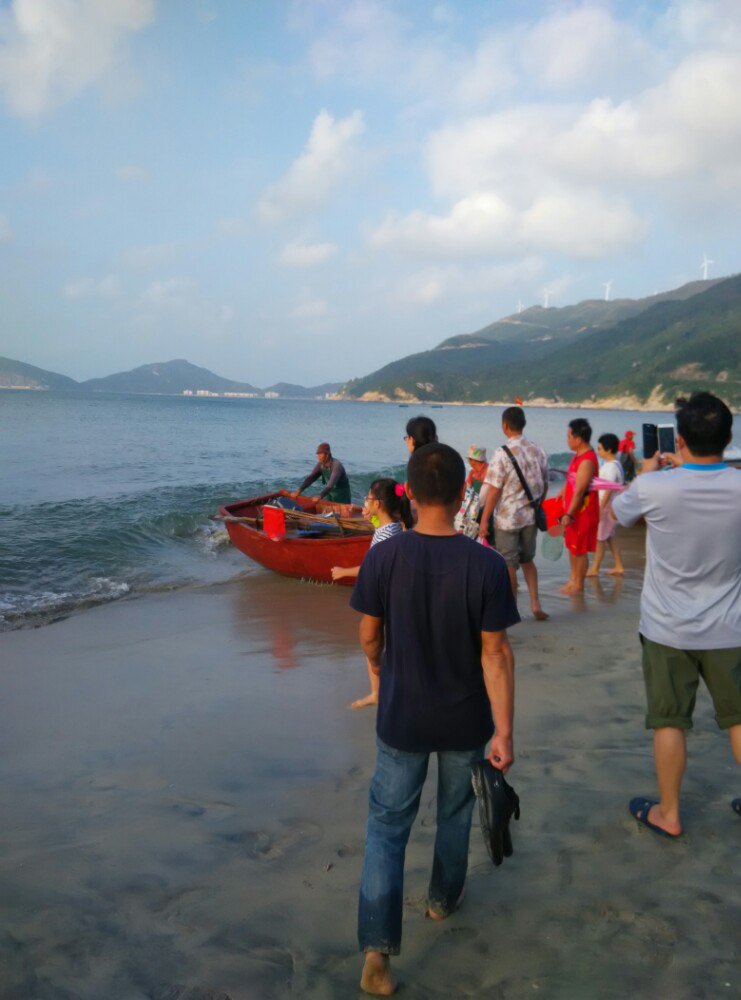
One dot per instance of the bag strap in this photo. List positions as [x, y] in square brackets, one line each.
[518, 470]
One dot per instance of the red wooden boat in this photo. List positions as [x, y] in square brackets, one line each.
[303, 551]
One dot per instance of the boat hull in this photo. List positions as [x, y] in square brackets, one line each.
[302, 558]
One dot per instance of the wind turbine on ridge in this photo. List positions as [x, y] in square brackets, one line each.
[705, 264]
[546, 296]
[607, 285]
[520, 306]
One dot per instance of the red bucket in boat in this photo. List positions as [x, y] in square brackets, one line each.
[274, 523]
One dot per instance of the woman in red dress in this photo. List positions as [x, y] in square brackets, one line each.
[580, 519]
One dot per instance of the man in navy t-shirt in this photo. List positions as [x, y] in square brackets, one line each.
[435, 607]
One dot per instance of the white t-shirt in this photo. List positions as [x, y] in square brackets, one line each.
[692, 588]
[613, 472]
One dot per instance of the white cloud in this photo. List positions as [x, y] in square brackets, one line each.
[168, 293]
[443, 13]
[298, 254]
[52, 50]
[703, 23]
[6, 232]
[489, 72]
[315, 175]
[481, 224]
[108, 287]
[145, 257]
[563, 177]
[581, 45]
[310, 308]
[583, 225]
[231, 227]
[468, 283]
[128, 174]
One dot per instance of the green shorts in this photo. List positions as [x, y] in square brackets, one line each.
[672, 676]
[516, 547]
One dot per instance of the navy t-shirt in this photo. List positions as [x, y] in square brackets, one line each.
[436, 594]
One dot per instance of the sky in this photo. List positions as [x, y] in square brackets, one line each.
[305, 190]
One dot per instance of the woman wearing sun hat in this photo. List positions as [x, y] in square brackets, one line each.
[467, 518]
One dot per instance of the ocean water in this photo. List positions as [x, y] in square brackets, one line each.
[108, 496]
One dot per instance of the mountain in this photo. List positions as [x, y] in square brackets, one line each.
[680, 341]
[556, 326]
[168, 377]
[292, 391]
[18, 375]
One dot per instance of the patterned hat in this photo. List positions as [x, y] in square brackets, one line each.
[476, 453]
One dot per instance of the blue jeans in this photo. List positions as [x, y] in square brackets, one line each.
[394, 800]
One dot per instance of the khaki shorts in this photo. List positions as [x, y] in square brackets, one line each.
[516, 547]
[672, 677]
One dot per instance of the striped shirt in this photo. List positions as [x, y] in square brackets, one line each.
[387, 531]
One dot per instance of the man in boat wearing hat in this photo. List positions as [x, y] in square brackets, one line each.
[336, 484]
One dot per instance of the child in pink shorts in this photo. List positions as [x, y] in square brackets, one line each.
[612, 470]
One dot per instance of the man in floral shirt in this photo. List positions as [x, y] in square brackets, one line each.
[515, 533]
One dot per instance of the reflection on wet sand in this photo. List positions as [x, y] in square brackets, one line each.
[294, 619]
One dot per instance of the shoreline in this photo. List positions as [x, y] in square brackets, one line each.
[189, 793]
[614, 403]
[622, 403]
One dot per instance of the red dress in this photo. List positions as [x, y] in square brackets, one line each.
[580, 536]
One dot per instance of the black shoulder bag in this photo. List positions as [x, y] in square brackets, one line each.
[540, 519]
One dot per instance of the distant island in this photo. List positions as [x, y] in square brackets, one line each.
[171, 378]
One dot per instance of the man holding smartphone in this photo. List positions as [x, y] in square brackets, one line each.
[690, 625]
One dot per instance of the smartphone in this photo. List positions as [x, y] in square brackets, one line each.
[666, 438]
[650, 440]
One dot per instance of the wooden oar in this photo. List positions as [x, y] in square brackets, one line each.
[357, 525]
[231, 519]
[348, 523]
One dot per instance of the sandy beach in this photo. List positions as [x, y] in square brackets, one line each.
[184, 794]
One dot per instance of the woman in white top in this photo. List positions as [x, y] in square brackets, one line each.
[611, 470]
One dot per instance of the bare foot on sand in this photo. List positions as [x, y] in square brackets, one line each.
[376, 978]
[370, 699]
[618, 571]
[571, 588]
[436, 915]
[539, 615]
[592, 573]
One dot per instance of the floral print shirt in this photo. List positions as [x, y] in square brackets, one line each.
[514, 510]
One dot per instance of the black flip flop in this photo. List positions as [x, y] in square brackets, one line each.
[639, 810]
[498, 802]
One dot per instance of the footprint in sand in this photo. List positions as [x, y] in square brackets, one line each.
[351, 850]
[181, 992]
[211, 810]
[263, 846]
[351, 778]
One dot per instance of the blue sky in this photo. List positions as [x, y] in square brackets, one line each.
[306, 190]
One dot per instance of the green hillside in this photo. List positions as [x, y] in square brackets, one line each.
[292, 391]
[674, 345]
[556, 326]
[167, 377]
[670, 349]
[19, 375]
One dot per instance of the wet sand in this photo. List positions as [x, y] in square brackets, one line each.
[184, 798]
